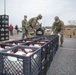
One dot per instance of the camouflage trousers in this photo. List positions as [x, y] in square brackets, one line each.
[31, 32]
[24, 34]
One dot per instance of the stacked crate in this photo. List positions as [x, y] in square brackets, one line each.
[48, 46]
[51, 51]
[4, 27]
[14, 64]
[44, 49]
[9, 44]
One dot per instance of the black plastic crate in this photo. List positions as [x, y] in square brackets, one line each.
[15, 42]
[42, 46]
[25, 40]
[3, 47]
[32, 39]
[43, 69]
[49, 37]
[55, 44]
[54, 40]
[49, 60]
[4, 24]
[48, 42]
[22, 65]
[44, 38]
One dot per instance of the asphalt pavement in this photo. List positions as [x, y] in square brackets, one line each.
[64, 61]
[14, 37]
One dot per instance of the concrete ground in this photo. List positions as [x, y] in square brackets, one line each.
[18, 36]
[64, 62]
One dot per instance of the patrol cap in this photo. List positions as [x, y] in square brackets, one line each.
[25, 16]
[40, 16]
[56, 18]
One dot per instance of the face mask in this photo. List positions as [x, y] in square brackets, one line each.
[57, 21]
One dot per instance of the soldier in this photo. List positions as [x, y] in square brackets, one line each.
[32, 24]
[24, 27]
[58, 27]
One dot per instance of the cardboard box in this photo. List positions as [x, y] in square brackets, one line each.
[14, 32]
[73, 36]
[67, 32]
[70, 33]
[75, 32]
[67, 36]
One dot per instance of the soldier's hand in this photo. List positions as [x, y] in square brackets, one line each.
[52, 33]
[34, 30]
[59, 35]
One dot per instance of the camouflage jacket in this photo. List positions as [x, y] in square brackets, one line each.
[32, 22]
[58, 27]
[24, 24]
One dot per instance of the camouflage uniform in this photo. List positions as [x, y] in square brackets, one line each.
[59, 28]
[24, 28]
[33, 25]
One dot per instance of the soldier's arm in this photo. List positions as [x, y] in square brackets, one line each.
[34, 23]
[37, 23]
[23, 23]
[62, 27]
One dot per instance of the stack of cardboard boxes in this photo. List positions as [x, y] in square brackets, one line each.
[70, 33]
[74, 33]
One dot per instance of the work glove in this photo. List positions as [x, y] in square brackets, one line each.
[35, 30]
[51, 33]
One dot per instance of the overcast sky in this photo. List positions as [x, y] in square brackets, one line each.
[16, 9]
